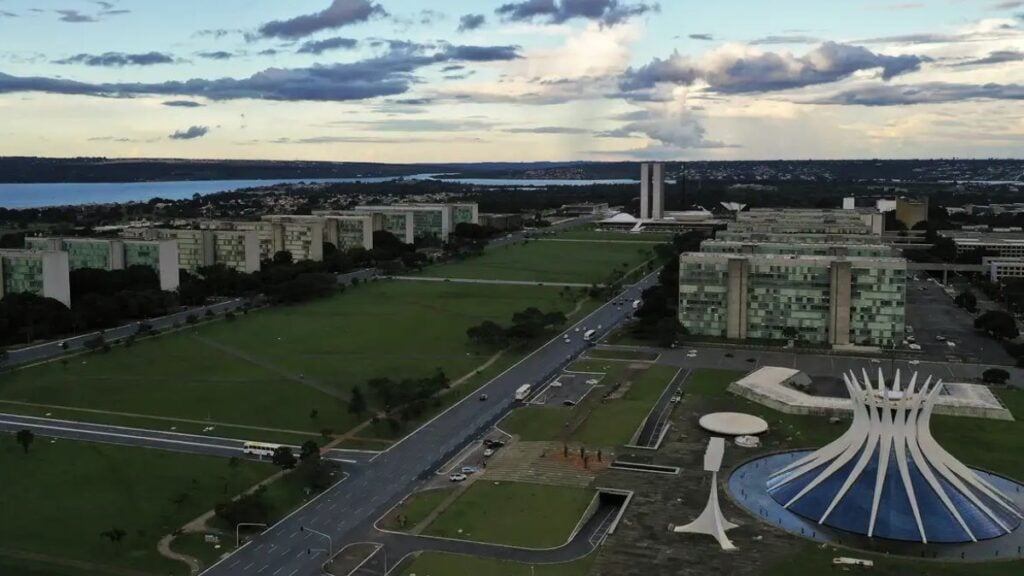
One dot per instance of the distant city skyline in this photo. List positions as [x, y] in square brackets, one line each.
[512, 80]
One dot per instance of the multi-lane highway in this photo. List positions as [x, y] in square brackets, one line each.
[352, 505]
[143, 438]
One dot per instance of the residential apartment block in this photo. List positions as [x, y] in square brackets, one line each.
[116, 254]
[809, 221]
[1006, 245]
[45, 273]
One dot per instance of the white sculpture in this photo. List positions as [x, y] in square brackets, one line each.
[711, 521]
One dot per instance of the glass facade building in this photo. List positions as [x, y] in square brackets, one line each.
[44, 273]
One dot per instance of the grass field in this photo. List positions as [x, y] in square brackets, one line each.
[590, 233]
[61, 496]
[259, 369]
[513, 513]
[546, 261]
[608, 423]
[440, 564]
[415, 509]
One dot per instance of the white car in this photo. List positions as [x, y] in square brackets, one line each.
[914, 346]
[467, 470]
[457, 477]
[876, 361]
[488, 453]
[914, 362]
[567, 340]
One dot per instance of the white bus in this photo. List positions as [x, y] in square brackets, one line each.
[523, 392]
[260, 449]
[589, 335]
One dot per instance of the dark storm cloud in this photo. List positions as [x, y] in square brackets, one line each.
[390, 74]
[471, 22]
[928, 93]
[118, 59]
[191, 134]
[339, 13]
[182, 104]
[548, 130]
[609, 12]
[701, 37]
[768, 71]
[321, 46]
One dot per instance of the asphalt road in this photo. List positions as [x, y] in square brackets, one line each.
[53, 349]
[349, 508]
[173, 441]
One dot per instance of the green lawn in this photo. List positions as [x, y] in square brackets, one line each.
[415, 509]
[994, 445]
[514, 514]
[58, 498]
[248, 371]
[590, 233]
[711, 382]
[441, 564]
[607, 423]
[543, 261]
[195, 545]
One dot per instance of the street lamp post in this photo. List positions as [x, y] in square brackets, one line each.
[330, 542]
[239, 526]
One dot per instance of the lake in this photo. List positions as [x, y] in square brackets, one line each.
[69, 194]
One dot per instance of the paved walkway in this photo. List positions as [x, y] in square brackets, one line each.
[486, 281]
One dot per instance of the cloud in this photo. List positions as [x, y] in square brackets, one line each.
[607, 12]
[216, 55]
[182, 104]
[6, 14]
[926, 93]
[321, 46]
[79, 17]
[996, 57]
[738, 69]
[471, 22]
[339, 13]
[75, 17]
[191, 134]
[786, 39]
[548, 130]
[483, 53]
[118, 59]
[707, 37]
[389, 74]
[1008, 5]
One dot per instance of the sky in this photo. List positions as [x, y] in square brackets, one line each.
[512, 80]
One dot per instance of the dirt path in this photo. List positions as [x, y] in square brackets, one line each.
[256, 360]
[164, 548]
[70, 563]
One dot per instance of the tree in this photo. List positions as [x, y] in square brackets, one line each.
[668, 329]
[998, 324]
[488, 334]
[284, 457]
[283, 257]
[995, 376]
[309, 451]
[967, 300]
[25, 438]
[357, 403]
[115, 535]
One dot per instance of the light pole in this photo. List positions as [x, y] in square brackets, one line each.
[239, 526]
[330, 542]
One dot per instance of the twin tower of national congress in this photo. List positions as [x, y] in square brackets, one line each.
[652, 191]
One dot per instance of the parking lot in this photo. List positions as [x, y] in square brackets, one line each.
[936, 321]
[569, 387]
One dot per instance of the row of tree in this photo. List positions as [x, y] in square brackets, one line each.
[657, 318]
[527, 325]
